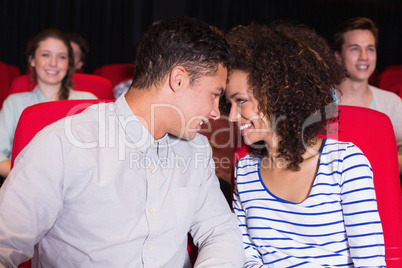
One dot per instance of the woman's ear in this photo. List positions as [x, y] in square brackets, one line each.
[178, 78]
[31, 62]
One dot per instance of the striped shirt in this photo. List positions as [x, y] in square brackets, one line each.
[336, 226]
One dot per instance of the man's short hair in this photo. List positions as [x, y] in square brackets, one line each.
[188, 42]
[358, 23]
[82, 43]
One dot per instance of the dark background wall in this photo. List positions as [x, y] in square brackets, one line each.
[113, 27]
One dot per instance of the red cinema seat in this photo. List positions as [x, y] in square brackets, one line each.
[97, 85]
[13, 72]
[21, 84]
[34, 118]
[394, 67]
[4, 82]
[397, 89]
[373, 133]
[7, 74]
[374, 77]
[116, 73]
[390, 77]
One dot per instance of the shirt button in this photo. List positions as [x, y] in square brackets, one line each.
[149, 247]
[152, 211]
[151, 170]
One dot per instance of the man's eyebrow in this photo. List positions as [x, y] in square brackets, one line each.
[222, 92]
[357, 45]
[233, 95]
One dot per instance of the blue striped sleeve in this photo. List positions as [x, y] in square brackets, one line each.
[359, 205]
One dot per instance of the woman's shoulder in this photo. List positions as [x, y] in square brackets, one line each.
[77, 95]
[20, 95]
[248, 160]
[330, 143]
[20, 99]
[339, 149]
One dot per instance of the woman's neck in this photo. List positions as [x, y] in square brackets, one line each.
[272, 159]
[50, 92]
[294, 186]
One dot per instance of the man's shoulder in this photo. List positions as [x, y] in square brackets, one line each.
[384, 94]
[387, 102]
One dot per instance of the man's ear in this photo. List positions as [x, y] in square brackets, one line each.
[338, 57]
[178, 78]
[79, 65]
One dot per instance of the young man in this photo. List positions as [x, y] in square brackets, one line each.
[356, 46]
[80, 49]
[121, 185]
[355, 43]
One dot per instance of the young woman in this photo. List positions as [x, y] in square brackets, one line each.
[301, 201]
[51, 63]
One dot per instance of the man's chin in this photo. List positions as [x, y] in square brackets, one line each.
[188, 136]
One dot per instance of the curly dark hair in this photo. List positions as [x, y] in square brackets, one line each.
[33, 45]
[292, 72]
[189, 42]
